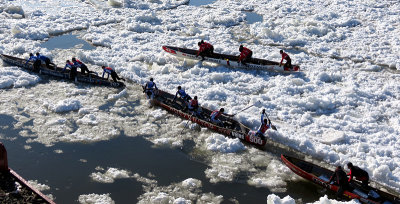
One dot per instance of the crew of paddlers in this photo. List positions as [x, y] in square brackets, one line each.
[206, 49]
[192, 105]
[71, 65]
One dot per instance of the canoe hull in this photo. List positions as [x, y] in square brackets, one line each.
[89, 79]
[230, 60]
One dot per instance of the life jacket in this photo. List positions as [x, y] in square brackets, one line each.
[108, 70]
[182, 93]
[215, 114]
[69, 65]
[150, 85]
[205, 46]
[78, 63]
[42, 57]
[285, 56]
[194, 103]
[264, 127]
[358, 173]
[245, 52]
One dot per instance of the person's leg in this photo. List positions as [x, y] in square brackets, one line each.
[340, 191]
[47, 61]
[36, 65]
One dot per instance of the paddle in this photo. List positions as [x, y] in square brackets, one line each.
[186, 124]
[245, 108]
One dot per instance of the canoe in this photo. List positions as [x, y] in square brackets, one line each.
[231, 60]
[89, 79]
[320, 176]
[14, 188]
[232, 128]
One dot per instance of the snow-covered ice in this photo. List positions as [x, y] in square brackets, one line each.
[342, 107]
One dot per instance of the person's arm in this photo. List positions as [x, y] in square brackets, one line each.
[155, 86]
[351, 175]
[104, 71]
[175, 96]
[229, 115]
[262, 117]
[30, 58]
[280, 64]
[241, 57]
[332, 177]
[64, 68]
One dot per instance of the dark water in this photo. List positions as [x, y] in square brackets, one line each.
[252, 17]
[200, 2]
[68, 177]
[66, 41]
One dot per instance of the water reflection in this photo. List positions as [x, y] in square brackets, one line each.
[66, 41]
[200, 2]
[252, 17]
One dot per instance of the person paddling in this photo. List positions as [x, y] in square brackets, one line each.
[265, 125]
[149, 88]
[286, 57]
[111, 72]
[72, 67]
[46, 60]
[245, 55]
[80, 64]
[359, 173]
[183, 95]
[36, 62]
[340, 178]
[193, 107]
[214, 117]
[205, 49]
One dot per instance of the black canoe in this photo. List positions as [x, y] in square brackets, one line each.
[90, 78]
[232, 128]
[231, 60]
[320, 176]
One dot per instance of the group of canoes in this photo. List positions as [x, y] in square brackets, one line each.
[71, 65]
[339, 177]
[206, 49]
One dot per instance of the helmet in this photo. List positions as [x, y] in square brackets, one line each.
[221, 110]
[37, 54]
[67, 61]
[151, 79]
[338, 167]
[179, 87]
[73, 59]
[241, 48]
[103, 66]
[195, 97]
[281, 51]
[199, 43]
[265, 120]
[30, 54]
[349, 164]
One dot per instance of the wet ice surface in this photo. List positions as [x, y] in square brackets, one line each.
[343, 107]
[66, 41]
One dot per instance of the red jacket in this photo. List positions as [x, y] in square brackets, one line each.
[204, 46]
[193, 103]
[284, 57]
[245, 52]
[215, 114]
